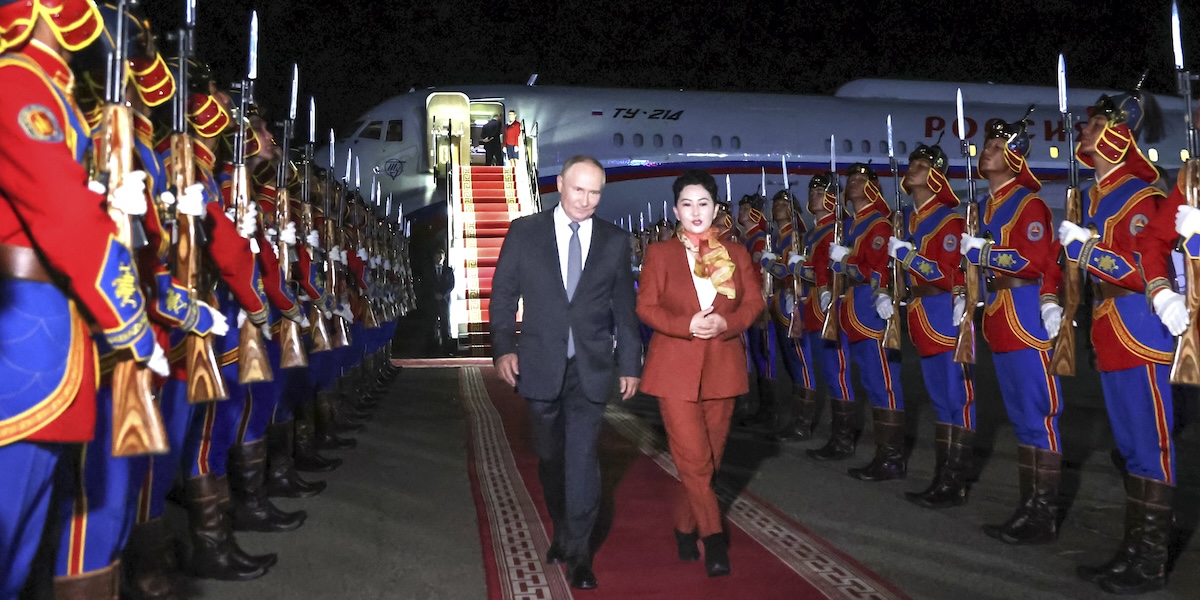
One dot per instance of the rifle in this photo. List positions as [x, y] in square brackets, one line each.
[1185, 364]
[333, 198]
[964, 342]
[204, 381]
[253, 363]
[137, 424]
[891, 333]
[318, 328]
[831, 328]
[291, 340]
[1062, 360]
[796, 323]
[366, 235]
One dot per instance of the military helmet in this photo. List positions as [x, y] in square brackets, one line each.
[862, 169]
[939, 165]
[934, 154]
[1129, 116]
[1016, 148]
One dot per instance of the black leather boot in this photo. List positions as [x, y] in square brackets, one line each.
[889, 462]
[101, 584]
[803, 407]
[282, 478]
[214, 553]
[686, 544]
[1147, 570]
[306, 456]
[716, 555]
[327, 434]
[1133, 521]
[1036, 520]
[149, 562]
[955, 449]
[843, 436]
[252, 510]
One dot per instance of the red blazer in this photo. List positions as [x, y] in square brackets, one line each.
[679, 366]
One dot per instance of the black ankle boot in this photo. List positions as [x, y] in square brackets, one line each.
[716, 555]
[686, 543]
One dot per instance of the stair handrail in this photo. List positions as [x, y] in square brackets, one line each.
[531, 164]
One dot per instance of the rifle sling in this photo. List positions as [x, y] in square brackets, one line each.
[18, 262]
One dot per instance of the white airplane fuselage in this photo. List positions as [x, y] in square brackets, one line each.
[645, 138]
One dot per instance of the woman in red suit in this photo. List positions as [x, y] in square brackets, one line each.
[698, 293]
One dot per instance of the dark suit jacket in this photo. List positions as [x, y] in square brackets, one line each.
[679, 366]
[603, 308]
[492, 129]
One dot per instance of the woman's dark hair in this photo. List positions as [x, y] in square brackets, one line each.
[695, 177]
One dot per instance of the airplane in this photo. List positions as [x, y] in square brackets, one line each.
[645, 138]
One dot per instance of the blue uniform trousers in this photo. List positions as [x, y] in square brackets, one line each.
[1032, 396]
[214, 428]
[29, 475]
[177, 416]
[879, 373]
[834, 361]
[262, 399]
[797, 357]
[1142, 415]
[762, 351]
[951, 389]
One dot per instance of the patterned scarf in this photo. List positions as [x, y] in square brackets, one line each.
[712, 259]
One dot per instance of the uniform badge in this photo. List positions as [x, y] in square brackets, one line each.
[877, 243]
[1035, 232]
[1138, 223]
[949, 243]
[40, 124]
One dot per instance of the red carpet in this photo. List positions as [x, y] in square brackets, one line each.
[772, 556]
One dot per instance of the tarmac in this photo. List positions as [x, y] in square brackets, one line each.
[398, 519]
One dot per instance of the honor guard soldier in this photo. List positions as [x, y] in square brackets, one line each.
[863, 315]
[834, 356]
[1020, 321]
[60, 258]
[936, 306]
[1134, 347]
[724, 221]
[752, 225]
[794, 417]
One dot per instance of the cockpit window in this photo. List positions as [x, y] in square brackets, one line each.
[371, 131]
[351, 130]
[395, 131]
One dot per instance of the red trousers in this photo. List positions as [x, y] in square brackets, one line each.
[696, 432]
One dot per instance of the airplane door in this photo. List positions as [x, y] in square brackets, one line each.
[447, 127]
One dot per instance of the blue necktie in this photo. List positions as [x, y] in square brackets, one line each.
[574, 270]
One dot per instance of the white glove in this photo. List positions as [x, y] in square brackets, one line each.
[826, 300]
[335, 253]
[158, 362]
[130, 196]
[249, 222]
[288, 235]
[1069, 232]
[242, 316]
[960, 310]
[344, 258]
[1052, 318]
[191, 202]
[266, 329]
[769, 256]
[969, 243]
[304, 322]
[271, 234]
[795, 258]
[1172, 311]
[328, 314]
[883, 306]
[220, 323]
[362, 254]
[837, 252]
[387, 265]
[344, 312]
[314, 239]
[1187, 220]
[895, 244]
[96, 187]
[254, 245]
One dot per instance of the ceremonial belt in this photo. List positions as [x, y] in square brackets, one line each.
[925, 289]
[1008, 282]
[851, 282]
[1105, 290]
[19, 262]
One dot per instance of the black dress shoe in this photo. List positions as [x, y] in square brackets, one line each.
[580, 570]
[555, 555]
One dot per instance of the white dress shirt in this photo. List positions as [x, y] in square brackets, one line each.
[562, 235]
[706, 292]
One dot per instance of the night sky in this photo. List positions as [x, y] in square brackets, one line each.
[353, 58]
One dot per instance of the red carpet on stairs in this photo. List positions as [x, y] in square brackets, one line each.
[772, 556]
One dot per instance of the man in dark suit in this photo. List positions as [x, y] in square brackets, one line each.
[440, 284]
[493, 146]
[563, 362]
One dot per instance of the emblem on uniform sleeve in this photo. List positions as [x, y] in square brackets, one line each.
[1035, 232]
[40, 124]
[878, 242]
[949, 243]
[1138, 223]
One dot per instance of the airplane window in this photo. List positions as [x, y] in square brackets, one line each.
[349, 131]
[677, 141]
[902, 147]
[395, 131]
[883, 147]
[637, 140]
[716, 142]
[618, 140]
[371, 131]
[658, 140]
[735, 142]
[847, 146]
[828, 146]
[866, 147]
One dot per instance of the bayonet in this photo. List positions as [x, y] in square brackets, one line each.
[964, 343]
[891, 333]
[1062, 360]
